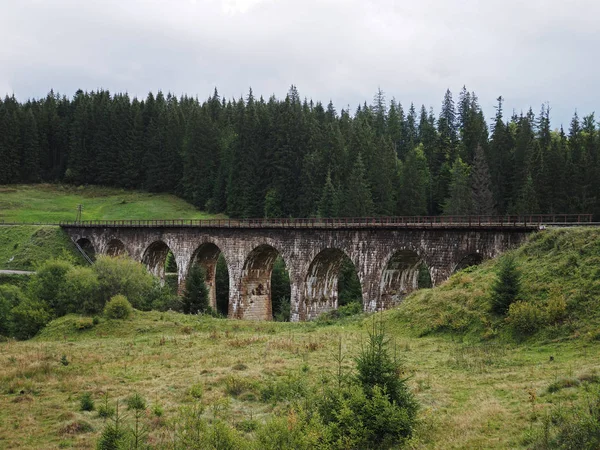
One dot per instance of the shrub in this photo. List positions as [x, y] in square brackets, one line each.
[525, 318]
[85, 323]
[507, 285]
[118, 308]
[10, 296]
[106, 410]
[79, 292]
[196, 391]
[48, 281]
[86, 403]
[28, 317]
[123, 275]
[136, 402]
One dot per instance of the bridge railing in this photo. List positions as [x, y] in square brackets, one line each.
[533, 220]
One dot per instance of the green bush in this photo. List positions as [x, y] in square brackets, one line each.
[47, 283]
[79, 292]
[86, 403]
[525, 318]
[118, 308]
[136, 402]
[29, 317]
[10, 297]
[123, 275]
[85, 323]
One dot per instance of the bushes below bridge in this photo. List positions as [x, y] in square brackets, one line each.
[60, 288]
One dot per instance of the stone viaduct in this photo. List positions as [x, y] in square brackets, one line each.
[386, 254]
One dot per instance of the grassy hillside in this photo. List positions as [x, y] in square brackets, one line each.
[471, 396]
[23, 247]
[560, 294]
[54, 203]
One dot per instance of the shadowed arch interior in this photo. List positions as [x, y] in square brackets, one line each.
[87, 246]
[321, 283]
[115, 248]
[255, 287]
[404, 273]
[472, 259]
[155, 259]
[207, 257]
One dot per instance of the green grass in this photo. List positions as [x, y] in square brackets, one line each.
[471, 395]
[560, 279]
[55, 203]
[24, 247]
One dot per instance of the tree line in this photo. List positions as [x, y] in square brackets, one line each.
[251, 157]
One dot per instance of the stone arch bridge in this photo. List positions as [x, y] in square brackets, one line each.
[386, 253]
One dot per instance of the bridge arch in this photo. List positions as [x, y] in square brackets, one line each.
[468, 260]
[155, 259]
[405, 271]
[321, 283]
[207, 256]
[255, 300]
[87, 246]
[115, 247]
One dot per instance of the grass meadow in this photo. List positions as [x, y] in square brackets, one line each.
[472, 395]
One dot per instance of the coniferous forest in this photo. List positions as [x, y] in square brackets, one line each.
[253, 157]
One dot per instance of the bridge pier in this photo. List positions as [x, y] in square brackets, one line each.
[386, 260]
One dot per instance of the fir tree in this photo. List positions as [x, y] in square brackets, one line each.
[195, 298]
[460, 201]
[483, 199]
[329, 202]
[358, 200]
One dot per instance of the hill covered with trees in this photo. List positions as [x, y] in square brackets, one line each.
[253, 157]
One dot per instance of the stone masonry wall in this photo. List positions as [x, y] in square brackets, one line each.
[386, 260]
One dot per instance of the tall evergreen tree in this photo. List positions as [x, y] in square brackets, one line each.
[358, 201]
[460, 201]
[482, 197]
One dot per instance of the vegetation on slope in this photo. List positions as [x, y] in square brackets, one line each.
[559, 294]
[25, 247]
[55, 203]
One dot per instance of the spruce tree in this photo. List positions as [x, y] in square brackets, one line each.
[358, 201]
[506, 288]
[195, 298]
[414, 185]
[483, 199]
[460, 202]
[329, 202]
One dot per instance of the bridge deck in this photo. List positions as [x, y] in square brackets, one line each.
[530, 222]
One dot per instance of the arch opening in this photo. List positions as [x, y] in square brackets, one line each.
[88, 248]
[404, 273]
[256, 289]
[331, 281]
[115, 248]
[160, 261]
[472, 259]
[216, 275]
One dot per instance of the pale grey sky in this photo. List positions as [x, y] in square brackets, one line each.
[529, 52]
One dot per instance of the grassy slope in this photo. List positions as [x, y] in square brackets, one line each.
[23, 247]
[560, 265]
[54, 203]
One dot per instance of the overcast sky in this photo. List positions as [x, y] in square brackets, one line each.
[528, 51]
